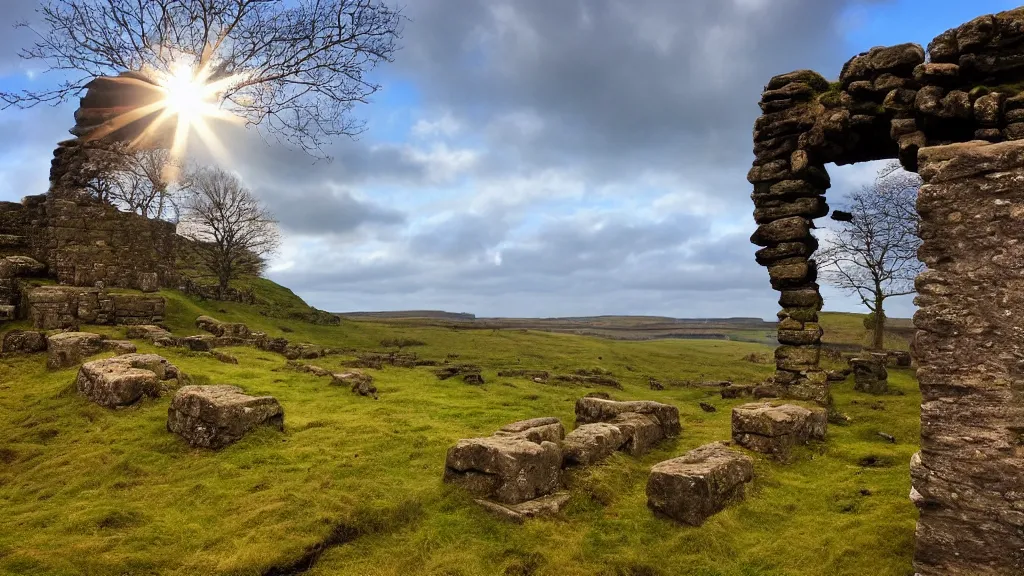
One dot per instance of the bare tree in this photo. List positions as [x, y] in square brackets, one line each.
[231, 232]
[873, 255]
[300, 64]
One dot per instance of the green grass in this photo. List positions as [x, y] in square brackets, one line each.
[86, 490]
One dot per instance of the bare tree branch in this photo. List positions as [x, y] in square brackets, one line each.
[302, 64]
[874, 256]
[231, 232]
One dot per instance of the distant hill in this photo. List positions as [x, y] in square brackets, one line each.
[399, 314]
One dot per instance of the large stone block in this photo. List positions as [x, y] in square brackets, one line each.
[216, 416]
[123, 380]
[590, 443]
[24, 342]
[640, 432]
[225, 329]
[67, 349]
[700, 483]
[869, 373]
[774, 428]
[591, 410]
[546, 429]
[508, 469]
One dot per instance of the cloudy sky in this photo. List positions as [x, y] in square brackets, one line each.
[540, 158]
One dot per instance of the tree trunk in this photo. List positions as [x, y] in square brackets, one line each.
[878, 338]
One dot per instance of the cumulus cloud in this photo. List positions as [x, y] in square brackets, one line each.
[535, 158]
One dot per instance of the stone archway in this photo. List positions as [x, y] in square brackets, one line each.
[958, 120]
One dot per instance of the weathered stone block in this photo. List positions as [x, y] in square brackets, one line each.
[216, 416]
[67, 349]
[869, 373]
[702, 482]
[123, 380]
[591, 443]
[508, 469]
[792, 229]
[592, 410]
[797, 358]
[774, 428]
[519, 513]
[547, 429]
[23, 342]
[641, 433]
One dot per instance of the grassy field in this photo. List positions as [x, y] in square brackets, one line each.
[85, 490]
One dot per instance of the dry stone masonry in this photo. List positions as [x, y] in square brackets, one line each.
[869, 373]
[775, 429]
[955, 115]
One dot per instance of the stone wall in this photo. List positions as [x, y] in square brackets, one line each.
[84, 242]
[887, 103]
[957, 118]
[50, 307]
[968, 479]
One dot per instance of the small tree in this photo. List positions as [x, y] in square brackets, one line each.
[874, 254]
[231, 232]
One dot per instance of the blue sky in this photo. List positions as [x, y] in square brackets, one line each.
[529, 158]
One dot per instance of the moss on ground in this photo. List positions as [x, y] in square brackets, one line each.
[87, 490]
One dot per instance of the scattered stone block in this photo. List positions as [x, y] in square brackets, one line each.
[591, 443]
[226, 329]
[67, 349]
[518, 513]
[737, 391]
[216, 416]
[640, 432]
[475, 379]
[707, 407]
[774, 428]
[592, 410]
[23, 342]
[120, 346]
[198, 343]
[315, 370]
[147, 332]
[869, 374]
[123, 380]
[548, 429]
[507, 469]
[225, 357]
[357, 381]
[702, 482]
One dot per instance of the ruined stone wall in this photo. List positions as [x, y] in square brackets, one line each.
[888, 102]
[50, 307]
[968, 479]
[958, 120]
[83, 243]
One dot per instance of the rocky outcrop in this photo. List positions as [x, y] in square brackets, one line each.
[592, 410]
[23, 342]
[507, 469]
[869, 373]
[700, 483]
[969, 475]
[124, 380]
[216, 416]
[774, 428]
[358, 382]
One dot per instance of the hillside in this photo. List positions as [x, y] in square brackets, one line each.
[86, 490]
[842, 330]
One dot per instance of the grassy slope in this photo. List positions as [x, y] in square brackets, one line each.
[92, 491]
